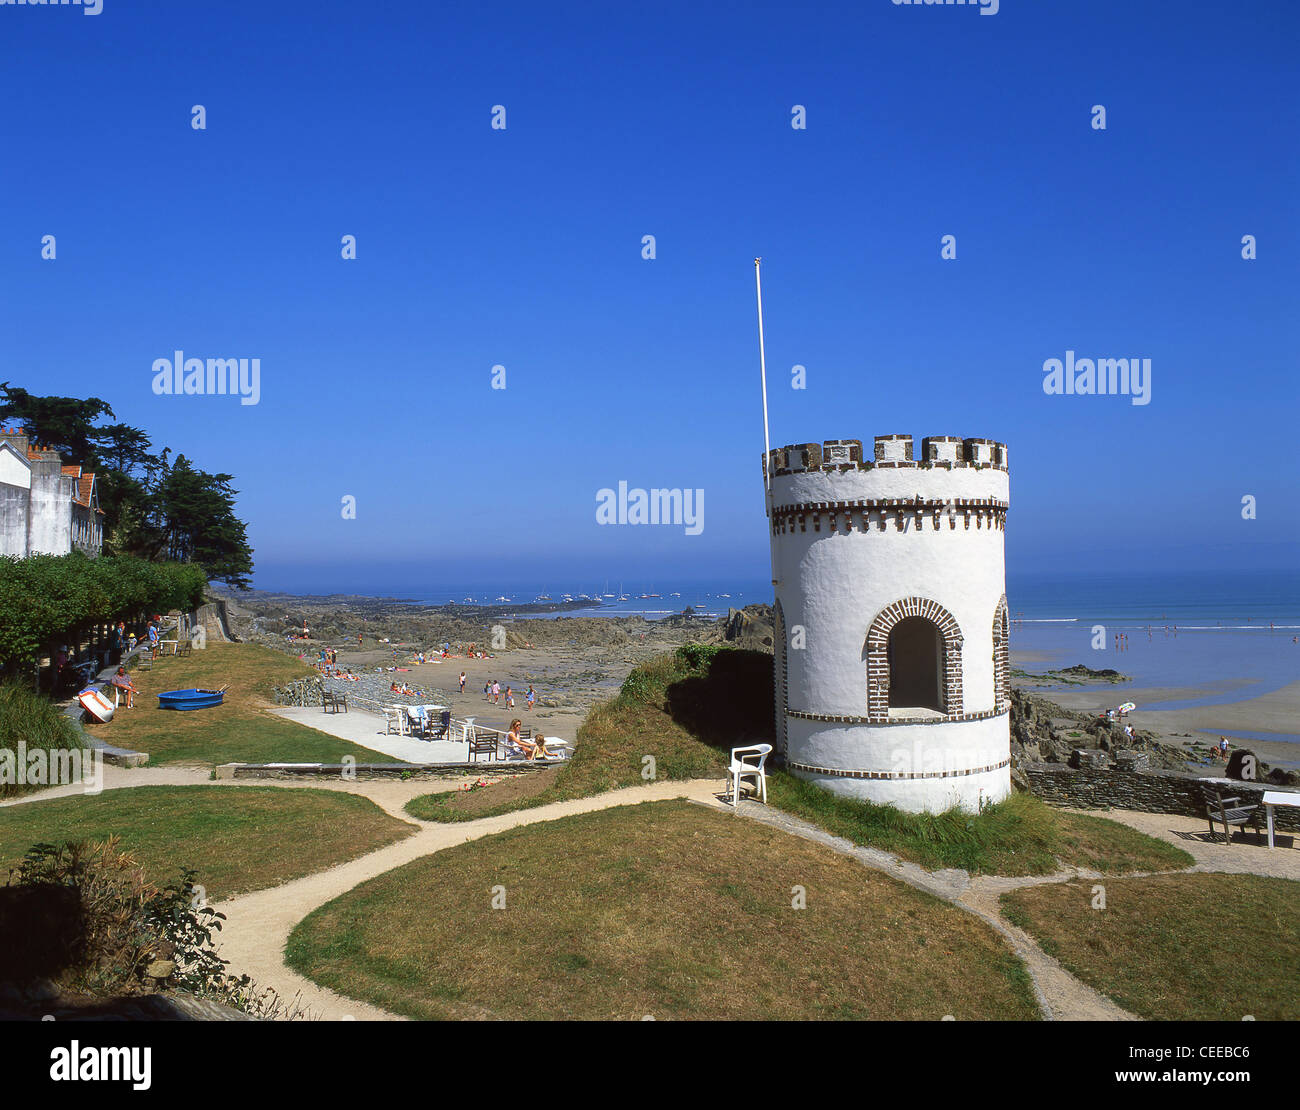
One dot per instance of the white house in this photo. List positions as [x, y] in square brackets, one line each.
[45, 506]
[891, 619]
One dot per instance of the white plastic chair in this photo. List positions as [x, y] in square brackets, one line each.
[742, 768]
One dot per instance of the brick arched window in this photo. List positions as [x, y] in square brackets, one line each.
[920, 667]
[781, 675]
[1001, 638]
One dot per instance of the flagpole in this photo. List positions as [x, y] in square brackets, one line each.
[762, 369]
[767, 442]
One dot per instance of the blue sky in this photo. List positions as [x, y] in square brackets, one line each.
[522, 247]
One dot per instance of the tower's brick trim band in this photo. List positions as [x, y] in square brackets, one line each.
[839, 773]
[878, 659]
[916, 512]
[841, 719]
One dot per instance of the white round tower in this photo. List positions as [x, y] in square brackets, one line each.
[891, 619]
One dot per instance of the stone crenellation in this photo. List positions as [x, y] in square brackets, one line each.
[889, 452]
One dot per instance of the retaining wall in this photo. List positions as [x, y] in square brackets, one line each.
[1148, 791]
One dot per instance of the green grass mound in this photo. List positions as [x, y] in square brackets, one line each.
[1175, 947]
[664, 909]
[39, 724]
[681, 710]
[1020, 836]
[237, 838]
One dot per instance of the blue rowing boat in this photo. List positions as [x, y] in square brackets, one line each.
[190, 699]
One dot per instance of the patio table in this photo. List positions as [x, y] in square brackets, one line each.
[1278, 798]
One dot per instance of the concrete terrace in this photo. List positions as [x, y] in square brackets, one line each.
[369, 730]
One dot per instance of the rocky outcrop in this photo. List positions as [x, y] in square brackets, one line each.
[751, 627]
[1043, 732]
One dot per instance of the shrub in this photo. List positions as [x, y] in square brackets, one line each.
[38, 723]
[85, 916]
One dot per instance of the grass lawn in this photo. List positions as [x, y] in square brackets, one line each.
[238, 838]
[1020, 836]
[240, 730]
[664, 909]
[1202, 947]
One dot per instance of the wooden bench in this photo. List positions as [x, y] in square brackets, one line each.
[332, 702]
[484, 741]
[1230, 810]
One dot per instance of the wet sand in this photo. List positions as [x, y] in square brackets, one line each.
[1275, 712]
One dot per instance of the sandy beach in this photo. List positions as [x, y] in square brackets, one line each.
[568, 681]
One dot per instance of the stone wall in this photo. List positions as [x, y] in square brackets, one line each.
[1149, 791]
[305, 691]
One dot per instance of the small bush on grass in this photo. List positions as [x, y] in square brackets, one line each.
[39, 724]
[85, 916]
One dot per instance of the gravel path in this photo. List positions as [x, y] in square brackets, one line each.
[258, 925]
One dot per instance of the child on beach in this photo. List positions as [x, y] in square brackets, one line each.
[531, 696]
[462, 682]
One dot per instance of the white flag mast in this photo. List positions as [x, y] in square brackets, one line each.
[762, 369]
[767, 442]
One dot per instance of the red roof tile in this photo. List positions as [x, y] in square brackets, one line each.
[84, 487]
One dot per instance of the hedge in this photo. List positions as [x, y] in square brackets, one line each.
[44, 598]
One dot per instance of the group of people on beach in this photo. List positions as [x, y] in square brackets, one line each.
[492, 692]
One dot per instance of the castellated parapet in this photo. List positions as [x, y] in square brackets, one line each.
[891, 646]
